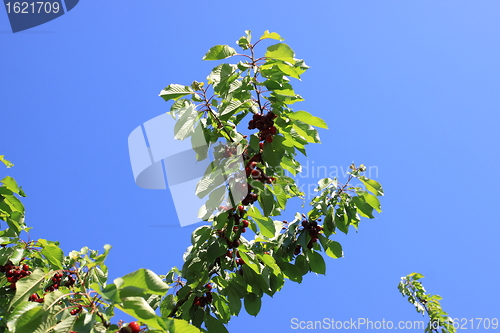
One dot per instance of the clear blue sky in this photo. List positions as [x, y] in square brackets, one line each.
[410, 88]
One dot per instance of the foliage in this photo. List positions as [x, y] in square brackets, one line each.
[42, 290]
[411, 287]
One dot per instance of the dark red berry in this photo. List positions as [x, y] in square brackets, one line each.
[245, 223]
[26, 267]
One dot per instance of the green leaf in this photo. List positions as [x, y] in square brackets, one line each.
[267, 202]
[11, 184]
[179, 326]
[372, 186]
[265, 224]
[252, 304]
[65, 325]
[219, 52]
[316, 262]
[175, 91]
[306, 131]
[53, 254]
[334, 249]
[308, 118]
[138, 307]
[234, 300]
[244, 42]
[184, 127]
[222, 307]
[280, 51]
[341, 221]
[8, 164]
[272, 35]
[372, 201]
[363, 208]
[142, 281]
[167, 305]
[213, 324]
[216, 250]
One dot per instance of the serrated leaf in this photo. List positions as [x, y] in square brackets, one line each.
[265, 224]
[372, 186]
[219, 52]
[54, 255]
[175, 91]
[281, 52]
[11, 184]
[308, 118]
[139, 282]
[184, 127]
[272, 35]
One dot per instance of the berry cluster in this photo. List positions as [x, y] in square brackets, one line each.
[35, 298]
[15, 273]
[239, 261]
[207, 298]
[237, 217]
[57, 281]
[265, 124]
[314, 229]
[76, 310]
[241, 226]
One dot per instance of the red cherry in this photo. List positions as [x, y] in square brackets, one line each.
[135, 327]
[255, 173]
[273, 130]
[261, 145]
[269, 139]
[208, 286]
[241, 208]
[235, 228]
[245, 223]
[26, 267]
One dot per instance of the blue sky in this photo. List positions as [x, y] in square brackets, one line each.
[409, 88]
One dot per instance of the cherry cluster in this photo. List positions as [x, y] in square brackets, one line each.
[15, 272]
[207, 298]
[57, 281]
[76, 310]
[314, 229]
[35, 298]
[241, 226]
[237, 216]
[265, 124]
[239, 261]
